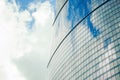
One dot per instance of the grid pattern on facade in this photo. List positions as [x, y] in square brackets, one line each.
[82, 57]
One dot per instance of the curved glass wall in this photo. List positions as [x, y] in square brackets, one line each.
[87, 41]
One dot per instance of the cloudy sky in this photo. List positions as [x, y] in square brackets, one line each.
[25, 38]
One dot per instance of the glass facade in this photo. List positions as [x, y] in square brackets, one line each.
[86, 44]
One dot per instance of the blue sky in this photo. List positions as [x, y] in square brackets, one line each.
[25, 3]
[25, 39]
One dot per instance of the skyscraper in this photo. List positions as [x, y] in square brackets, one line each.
[86, 44]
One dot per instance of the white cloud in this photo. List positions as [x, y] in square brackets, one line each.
[43, 14]
[11, 72]
[40, 39]
[9, 40]
[16, 41]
